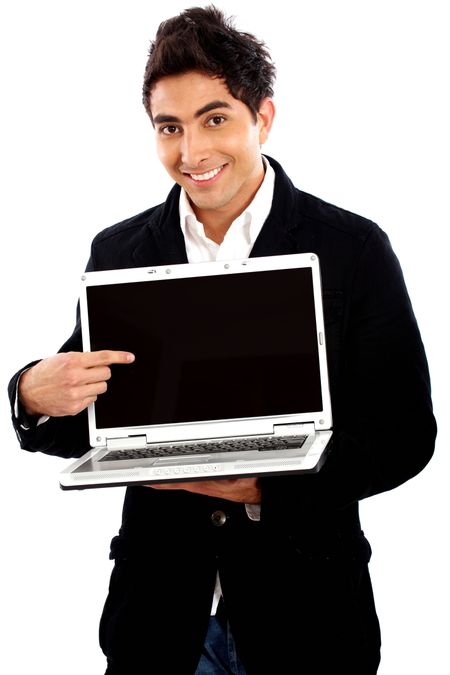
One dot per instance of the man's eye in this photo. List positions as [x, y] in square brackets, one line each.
[215, 121]
[168, 130]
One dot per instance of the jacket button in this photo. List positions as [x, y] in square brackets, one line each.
[218, 518]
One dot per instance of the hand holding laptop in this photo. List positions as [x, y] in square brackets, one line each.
[244, 490]
[67, 383]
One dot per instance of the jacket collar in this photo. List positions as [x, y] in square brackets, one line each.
[162, 240]
[277, 236]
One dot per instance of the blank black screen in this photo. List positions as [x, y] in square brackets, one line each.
[208, 348]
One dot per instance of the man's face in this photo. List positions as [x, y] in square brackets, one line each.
[209, 142]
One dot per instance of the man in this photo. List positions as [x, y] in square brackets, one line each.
[285, 555]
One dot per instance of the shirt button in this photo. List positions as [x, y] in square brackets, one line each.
[218, 518]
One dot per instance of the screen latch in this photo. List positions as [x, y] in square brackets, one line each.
[127, 443]
[293, 429]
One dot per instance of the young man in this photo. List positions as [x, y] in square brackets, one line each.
[294, 593]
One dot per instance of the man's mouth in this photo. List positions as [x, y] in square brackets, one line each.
[208, 175]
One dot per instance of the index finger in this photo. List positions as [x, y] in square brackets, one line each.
[107, 357]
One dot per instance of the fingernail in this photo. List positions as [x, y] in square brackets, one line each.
[130, 358]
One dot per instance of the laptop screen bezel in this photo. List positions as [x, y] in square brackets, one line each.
[322, 419]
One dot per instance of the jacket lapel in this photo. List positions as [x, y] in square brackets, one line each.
[278, 235]
[162, 242]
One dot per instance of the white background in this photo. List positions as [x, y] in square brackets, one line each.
[362, 122]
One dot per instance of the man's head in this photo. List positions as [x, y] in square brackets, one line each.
[204, 40]
[207, 90]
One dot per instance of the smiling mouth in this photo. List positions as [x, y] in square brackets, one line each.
[208, 175]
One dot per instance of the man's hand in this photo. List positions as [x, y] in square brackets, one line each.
[65, 384]
[246, 490]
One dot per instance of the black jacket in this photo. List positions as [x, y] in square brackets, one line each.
[295, 584]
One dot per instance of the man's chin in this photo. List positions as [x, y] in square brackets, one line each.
[205, 202]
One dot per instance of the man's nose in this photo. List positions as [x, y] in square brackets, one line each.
[194, 148]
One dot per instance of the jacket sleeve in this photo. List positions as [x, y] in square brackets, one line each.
[384, 429]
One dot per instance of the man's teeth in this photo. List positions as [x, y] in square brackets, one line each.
[206, 176]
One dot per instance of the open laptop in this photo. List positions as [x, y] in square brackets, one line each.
[230, 377]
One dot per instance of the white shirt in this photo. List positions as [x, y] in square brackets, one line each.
[237, 244]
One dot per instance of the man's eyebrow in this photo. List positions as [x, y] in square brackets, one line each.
[161, 119]
[212, 106]
[173, 119]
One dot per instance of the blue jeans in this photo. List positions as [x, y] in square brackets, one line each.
[219, 655]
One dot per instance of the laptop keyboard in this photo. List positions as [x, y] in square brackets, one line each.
[234, 445]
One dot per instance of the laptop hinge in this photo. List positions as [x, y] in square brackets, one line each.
[293, 429]
[126, 443]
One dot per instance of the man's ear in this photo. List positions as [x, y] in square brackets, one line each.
[265, 116]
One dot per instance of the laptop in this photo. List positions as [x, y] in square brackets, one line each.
[230, 377]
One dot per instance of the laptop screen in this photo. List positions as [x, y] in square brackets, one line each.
[208, 348]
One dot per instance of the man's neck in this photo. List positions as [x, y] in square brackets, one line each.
[217, 222]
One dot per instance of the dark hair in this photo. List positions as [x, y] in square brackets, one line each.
[203, 39]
